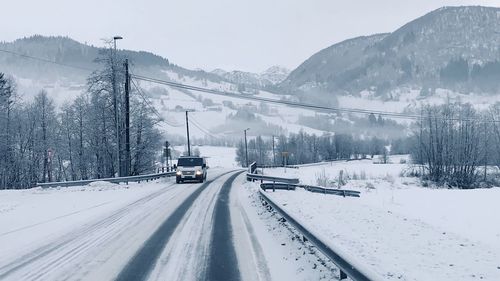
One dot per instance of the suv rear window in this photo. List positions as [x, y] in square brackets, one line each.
[190, 161]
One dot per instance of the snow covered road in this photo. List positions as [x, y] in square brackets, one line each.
[148, 231]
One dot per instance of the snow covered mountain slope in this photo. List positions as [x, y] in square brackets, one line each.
[425, 61]
[453, 48]
[270, 77]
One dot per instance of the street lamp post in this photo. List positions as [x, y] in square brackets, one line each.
[114, 40]
[246, 146]
[115, 107]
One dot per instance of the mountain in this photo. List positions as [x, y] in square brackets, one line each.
[450, 50]
[275, 74]
[61, 65]
[271, 76]
[66, 51]
[454, 48]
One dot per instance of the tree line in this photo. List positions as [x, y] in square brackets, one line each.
[303, 148]
[452, 145]
[39, 143]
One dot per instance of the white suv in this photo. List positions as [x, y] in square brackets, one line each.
[191, 168]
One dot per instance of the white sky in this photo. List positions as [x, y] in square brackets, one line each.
[247, 35]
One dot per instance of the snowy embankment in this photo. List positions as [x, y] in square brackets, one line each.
[399, 229]
[31, 218]
[277, 253]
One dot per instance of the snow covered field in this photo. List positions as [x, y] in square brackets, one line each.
[397, 228]
[32, 219]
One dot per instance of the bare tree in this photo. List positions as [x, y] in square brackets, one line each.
[448, 144]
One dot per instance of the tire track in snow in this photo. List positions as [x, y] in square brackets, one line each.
[142, 263]
[223, 263]
[190, 242]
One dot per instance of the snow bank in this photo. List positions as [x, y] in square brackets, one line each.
[48, 212]
[400, 229]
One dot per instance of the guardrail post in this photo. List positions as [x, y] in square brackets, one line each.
[274, 189]
[343, 275]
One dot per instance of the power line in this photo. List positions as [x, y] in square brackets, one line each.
[202, 130]
[284, 102]
[304, 105]
[151, 106]
[261, 99]
[45, 60]
[198, 125]
[148, 103]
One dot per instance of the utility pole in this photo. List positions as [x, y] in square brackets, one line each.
[187, 132]
[485, 151]
[170, 157]
[274, 155]
[127, 120]
[167, 144]
[246, 146]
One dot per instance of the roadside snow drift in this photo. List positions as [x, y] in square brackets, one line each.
[399, 229]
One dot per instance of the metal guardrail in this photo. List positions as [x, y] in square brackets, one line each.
[310, 188]
[331, 161]
[293, 183]
[277, 166]
[262, 178]
[112, 180]
[348, 267]
[277, 185]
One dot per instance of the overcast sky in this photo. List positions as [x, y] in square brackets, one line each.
[247, 35]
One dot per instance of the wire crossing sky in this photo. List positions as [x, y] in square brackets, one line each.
[228, 34]
[254, 98]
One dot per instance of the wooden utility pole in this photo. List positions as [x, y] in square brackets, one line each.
[167, 154]
[485, 151]
[127, 120]
[187, 133]
[246, 147]
[274, 154]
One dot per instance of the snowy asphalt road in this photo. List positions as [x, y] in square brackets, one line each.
[222, 264]
[159, 230]
[180, 231]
